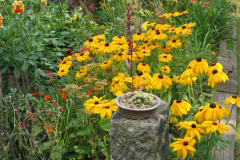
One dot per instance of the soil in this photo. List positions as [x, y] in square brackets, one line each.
[138, 100]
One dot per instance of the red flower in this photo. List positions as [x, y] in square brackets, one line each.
[56, 105]
[23, 124]
[63, 94]
[95, 93]
[90, 93]
[50, 80]
[95, 89]
[18, 7]
[32, 116]
[72, 52]
[35, 94]
[62, 110]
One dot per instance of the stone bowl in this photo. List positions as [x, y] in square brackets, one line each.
[137, 113]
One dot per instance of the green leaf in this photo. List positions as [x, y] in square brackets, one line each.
[56, 155]
[189, 118]
[83, 149]
[74, 123]
[17, 72]
[34, 57]
[4, 69]
[233, 127]
[100, 143]
[37, 130]
[72, 135]
[31, 62]
[13, 90]
[105, 124]
[87, 131]
[25, 65]
[185, 97]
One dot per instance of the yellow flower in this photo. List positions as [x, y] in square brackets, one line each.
[217, 66]
[213, 53]
[159, 80]
[211, 112]
[165, 57]
[75, 17]
[176, 79]
[173, 120]
[158, 35]
[187, 73]
[187, 80]
[233, 99]
[147, 24]
[198, 66]
[143, 67]
[138, 80]
[119, 57]
[180, 107]
[99, 37]
[199, 116]
[166, 49]
[183, 146]
[119, 39]
[192, 129]
[162, 27]
[62, 71]
[174, 43]
[91, 104]
[217, 77]
[82, 56]
[224, 111]
[138, 37]
[45, 2]
[107, 48]
[165, 69]
[185, 29]
[106, 64]
[212, 127]
[81, 73]
[106, 109]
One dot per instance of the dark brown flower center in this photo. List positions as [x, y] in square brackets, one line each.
[145, 42]
[212, 105]
[199, 59]
[174, 41]
[157, 33]
[144, 64]
[62, 70]
[106, 44]
[172, 29]
[138, 33]
[143, 47]
[189, 67]
[119, 36]
[160, 76]
[96, 102]
[214, 71]
[180, 11]
[234, 96]
[185, 143]
[140, 73]
[144, 52]
[107, 107]
[105, 62]
[81, 54]
[193, 126]
[90, 40]
[153, 28]
[164, 56]
[214, 64]
[214, 123]
[179, 101]
[120, 54]
[200, 110]
[172, 12]
[183, 27]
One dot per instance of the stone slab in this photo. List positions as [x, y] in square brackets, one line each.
[146, 139]
[229, 135]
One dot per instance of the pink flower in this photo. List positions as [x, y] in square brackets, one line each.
[193, 1]
[23, 124]
[205, 4]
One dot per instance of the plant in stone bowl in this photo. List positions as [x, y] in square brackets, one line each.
[138, 104]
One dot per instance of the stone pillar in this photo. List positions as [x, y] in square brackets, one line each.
[146, 139]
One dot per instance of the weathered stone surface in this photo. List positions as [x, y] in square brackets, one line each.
[146, 139]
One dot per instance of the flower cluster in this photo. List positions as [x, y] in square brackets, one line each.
[18, 7]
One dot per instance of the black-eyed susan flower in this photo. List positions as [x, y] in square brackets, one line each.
[185, 29]
[187, 73]
[18, 7]
[106, 64]
[81, 73]
[138, 37]
[176, 79]
[158, 80]
[173, 120]
[198, 66]
[91, 104]
[119, 57]
[212, 112]
[192, 129]
[174, 43]
[187, 80]
[224, 111]
[166, 49]
[162, 27]
[82, 56]
[75, 17]
[212, 126]
[147, 24]
[143, 67]
[107, 48]
[183, 146]
[62, 71]
[233, 99]
[90, 43]
[165, 57]
[140, 78]
[153, 46]
[106, 109]
[157, 35]
[165, 69]
[119, 39]
[217, 77]
[180, 107]
[217, 66]
[199, 116]
[99, 37]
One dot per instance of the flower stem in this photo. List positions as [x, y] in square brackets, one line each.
[215, 90]
[230, 114]
[209, 146]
